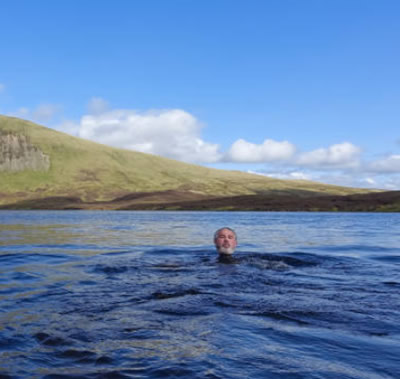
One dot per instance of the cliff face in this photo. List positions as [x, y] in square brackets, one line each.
[18, 154]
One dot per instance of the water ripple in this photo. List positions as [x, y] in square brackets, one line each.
[90, 307]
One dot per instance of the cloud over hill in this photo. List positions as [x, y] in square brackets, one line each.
[178, 134]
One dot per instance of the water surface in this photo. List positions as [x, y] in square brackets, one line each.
[143, 294]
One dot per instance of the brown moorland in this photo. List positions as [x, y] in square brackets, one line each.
[176, 200]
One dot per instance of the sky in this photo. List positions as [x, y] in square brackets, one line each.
[292, 89]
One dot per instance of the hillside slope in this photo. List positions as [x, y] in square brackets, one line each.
[38, 162]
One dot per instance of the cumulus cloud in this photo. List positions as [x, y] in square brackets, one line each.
[97, 105]
[269, 151]
[291, 175]
[176, 134]
[390, 164]
[172, 133]
[345, 155]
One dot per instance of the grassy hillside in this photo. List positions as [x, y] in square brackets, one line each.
[95, 172]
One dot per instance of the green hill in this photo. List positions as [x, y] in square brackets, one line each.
[38, 162]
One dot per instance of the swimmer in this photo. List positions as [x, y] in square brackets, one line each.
[225, 241]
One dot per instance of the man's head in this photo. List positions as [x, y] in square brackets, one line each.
[225, 240]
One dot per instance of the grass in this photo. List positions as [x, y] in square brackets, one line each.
[93, 171]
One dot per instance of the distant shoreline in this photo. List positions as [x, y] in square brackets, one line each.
[170, 201]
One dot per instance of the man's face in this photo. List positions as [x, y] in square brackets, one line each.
[225, 242]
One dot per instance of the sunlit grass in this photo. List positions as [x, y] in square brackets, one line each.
[94, 171]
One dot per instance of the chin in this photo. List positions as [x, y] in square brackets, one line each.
[226, 250]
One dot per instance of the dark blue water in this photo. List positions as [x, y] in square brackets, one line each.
[143, 295]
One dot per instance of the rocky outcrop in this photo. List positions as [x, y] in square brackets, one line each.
[18, 154]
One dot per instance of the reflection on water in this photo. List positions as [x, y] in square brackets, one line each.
[143, 294]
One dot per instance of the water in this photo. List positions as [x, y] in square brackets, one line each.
[143, 294]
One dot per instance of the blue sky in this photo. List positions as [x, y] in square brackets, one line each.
[297, 89]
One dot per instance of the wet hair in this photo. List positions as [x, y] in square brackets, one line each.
[225, 227]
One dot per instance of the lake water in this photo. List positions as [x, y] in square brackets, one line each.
[143, 295]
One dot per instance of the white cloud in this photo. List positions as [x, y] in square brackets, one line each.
[390, 183]
[344, 155]
[390, 164]
[385, 182]
[45, 112]
[176, 134]
[68, 127]
[270, 150]
[171, 133]
[292, 175]
[2, 87]
[299, 176]
[42, 113]
[97, 105]
[370, 181]
[357, 180]
[349, 178]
